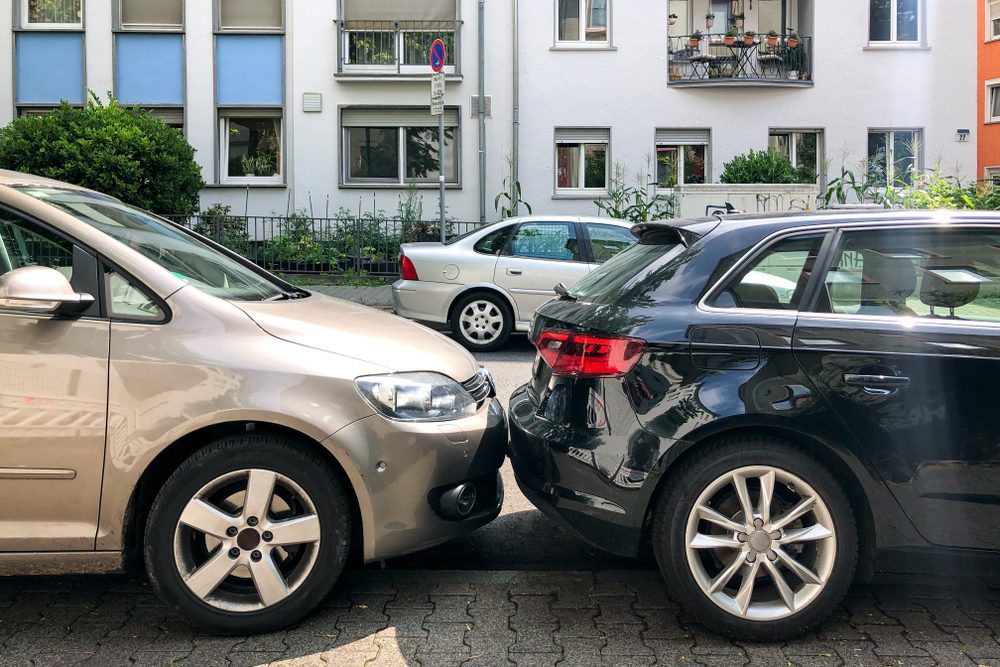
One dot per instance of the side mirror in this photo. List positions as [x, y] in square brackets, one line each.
[39, 290]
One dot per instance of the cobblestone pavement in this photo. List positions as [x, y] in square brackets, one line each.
[380, 618]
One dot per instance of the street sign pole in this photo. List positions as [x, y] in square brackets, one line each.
[437, 58]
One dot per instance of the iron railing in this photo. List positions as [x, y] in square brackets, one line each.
[299, 244]
[396, 47]
[712, 60]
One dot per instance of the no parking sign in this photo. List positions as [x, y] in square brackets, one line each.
[438, 54]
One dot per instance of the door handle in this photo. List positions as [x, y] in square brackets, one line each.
[877, 385]
[513, 272]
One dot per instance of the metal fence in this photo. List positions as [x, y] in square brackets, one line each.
[718, 58]
[375, 46]
[299, 244]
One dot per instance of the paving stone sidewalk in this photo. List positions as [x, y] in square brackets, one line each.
[387, 618]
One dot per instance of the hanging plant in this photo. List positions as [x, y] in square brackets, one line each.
[672, 19]
[709, 20]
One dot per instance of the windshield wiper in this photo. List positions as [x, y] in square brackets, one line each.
[563, 292]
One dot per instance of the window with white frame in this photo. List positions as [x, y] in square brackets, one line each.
[583, 21]
[582, 159]
[993, 175]
[169, 116]
[54, 14]
[151, 14]
[992, 19]
[394, 146]
[250, 147]
[893, 155]
[895, 21]
[993, 101]
[681, 157]
[803, 148]
[256, 15]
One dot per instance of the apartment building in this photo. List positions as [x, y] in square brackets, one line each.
[989, 90]
[323, 104]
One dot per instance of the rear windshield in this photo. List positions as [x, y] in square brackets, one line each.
[623, 275]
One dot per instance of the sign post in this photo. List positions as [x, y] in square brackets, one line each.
[437, 58]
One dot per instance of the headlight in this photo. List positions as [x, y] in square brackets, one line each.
[416, 396]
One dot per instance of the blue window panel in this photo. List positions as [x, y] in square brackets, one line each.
[149, 69]
[49, 67]
[248, 69]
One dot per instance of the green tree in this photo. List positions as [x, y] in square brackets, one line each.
[118, 150]
[768, 166]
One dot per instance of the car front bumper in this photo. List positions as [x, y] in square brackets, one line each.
[406, 467]
[423, 300]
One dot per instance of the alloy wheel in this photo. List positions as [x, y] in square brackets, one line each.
[247, 540]
[481, 321]
[760, 543]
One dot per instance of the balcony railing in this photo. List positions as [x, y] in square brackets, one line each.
[715, 60]
[396, 48]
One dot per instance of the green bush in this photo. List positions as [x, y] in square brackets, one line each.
[300, 242]
[216, 223]
[760, 167]
[122, 151]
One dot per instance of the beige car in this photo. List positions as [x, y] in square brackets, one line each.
[161, 398]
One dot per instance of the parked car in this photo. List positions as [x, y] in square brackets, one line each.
[774, 445]
[164, 399]
[489, 282]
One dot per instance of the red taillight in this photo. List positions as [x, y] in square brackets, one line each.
[406, 269]
[585, 355]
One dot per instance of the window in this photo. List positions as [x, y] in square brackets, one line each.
[250, 147]
[23, 243]
[953, 274]
[680, 9]
[681, 157]
[993, 101]
[893, 155]
[606, 241]
[992, 19]
[52, 13]
[151, 14]
[392, 37]
[773, 15]
[546, 240]
[993, 175]
[582, 159]
[776, 279]
[582, 21]
[170, 117]
[494, 242]
[803, 148]
[264, 15]
[894, 21]
[394, 146]
[126, 301]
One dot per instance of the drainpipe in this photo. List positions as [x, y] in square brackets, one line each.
[482, 112]
[514, 157]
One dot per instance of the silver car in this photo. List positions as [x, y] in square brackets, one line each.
[489, 282]
[163, 399]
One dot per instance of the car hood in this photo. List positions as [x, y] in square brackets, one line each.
[363, 333]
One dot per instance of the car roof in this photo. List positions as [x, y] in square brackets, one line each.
[9, 178]
[565, 218]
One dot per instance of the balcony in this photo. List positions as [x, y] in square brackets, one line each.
[395, 49]
[715, 60]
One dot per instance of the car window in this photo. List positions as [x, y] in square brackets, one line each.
[546, 240]
[23, 243]
[493, 243]
[606, 241]
[128, 301]
[775, 279]
[951, 274]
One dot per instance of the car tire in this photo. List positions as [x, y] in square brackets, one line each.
[217, 563]
[726, 569]
[482, 322]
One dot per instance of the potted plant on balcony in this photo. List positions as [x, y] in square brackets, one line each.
[749, 37]
[695, 39]
[730, 37]
[793, 39]
[672, 19]
[772, 38]
[709, 20]
[738, 20]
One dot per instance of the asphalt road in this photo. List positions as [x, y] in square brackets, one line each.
[521, 538]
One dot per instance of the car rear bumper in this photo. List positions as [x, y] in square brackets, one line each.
[554, 470]
[408, 467]
[423, 300]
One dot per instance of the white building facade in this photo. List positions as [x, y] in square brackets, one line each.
[323, 104]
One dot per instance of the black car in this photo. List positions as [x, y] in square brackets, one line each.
[778, 404]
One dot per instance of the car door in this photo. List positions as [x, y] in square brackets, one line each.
[604, 241]
[538, 256]
[905, 344]
[53, 401]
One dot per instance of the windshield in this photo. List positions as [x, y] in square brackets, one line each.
[620, 273]
[178, 252]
